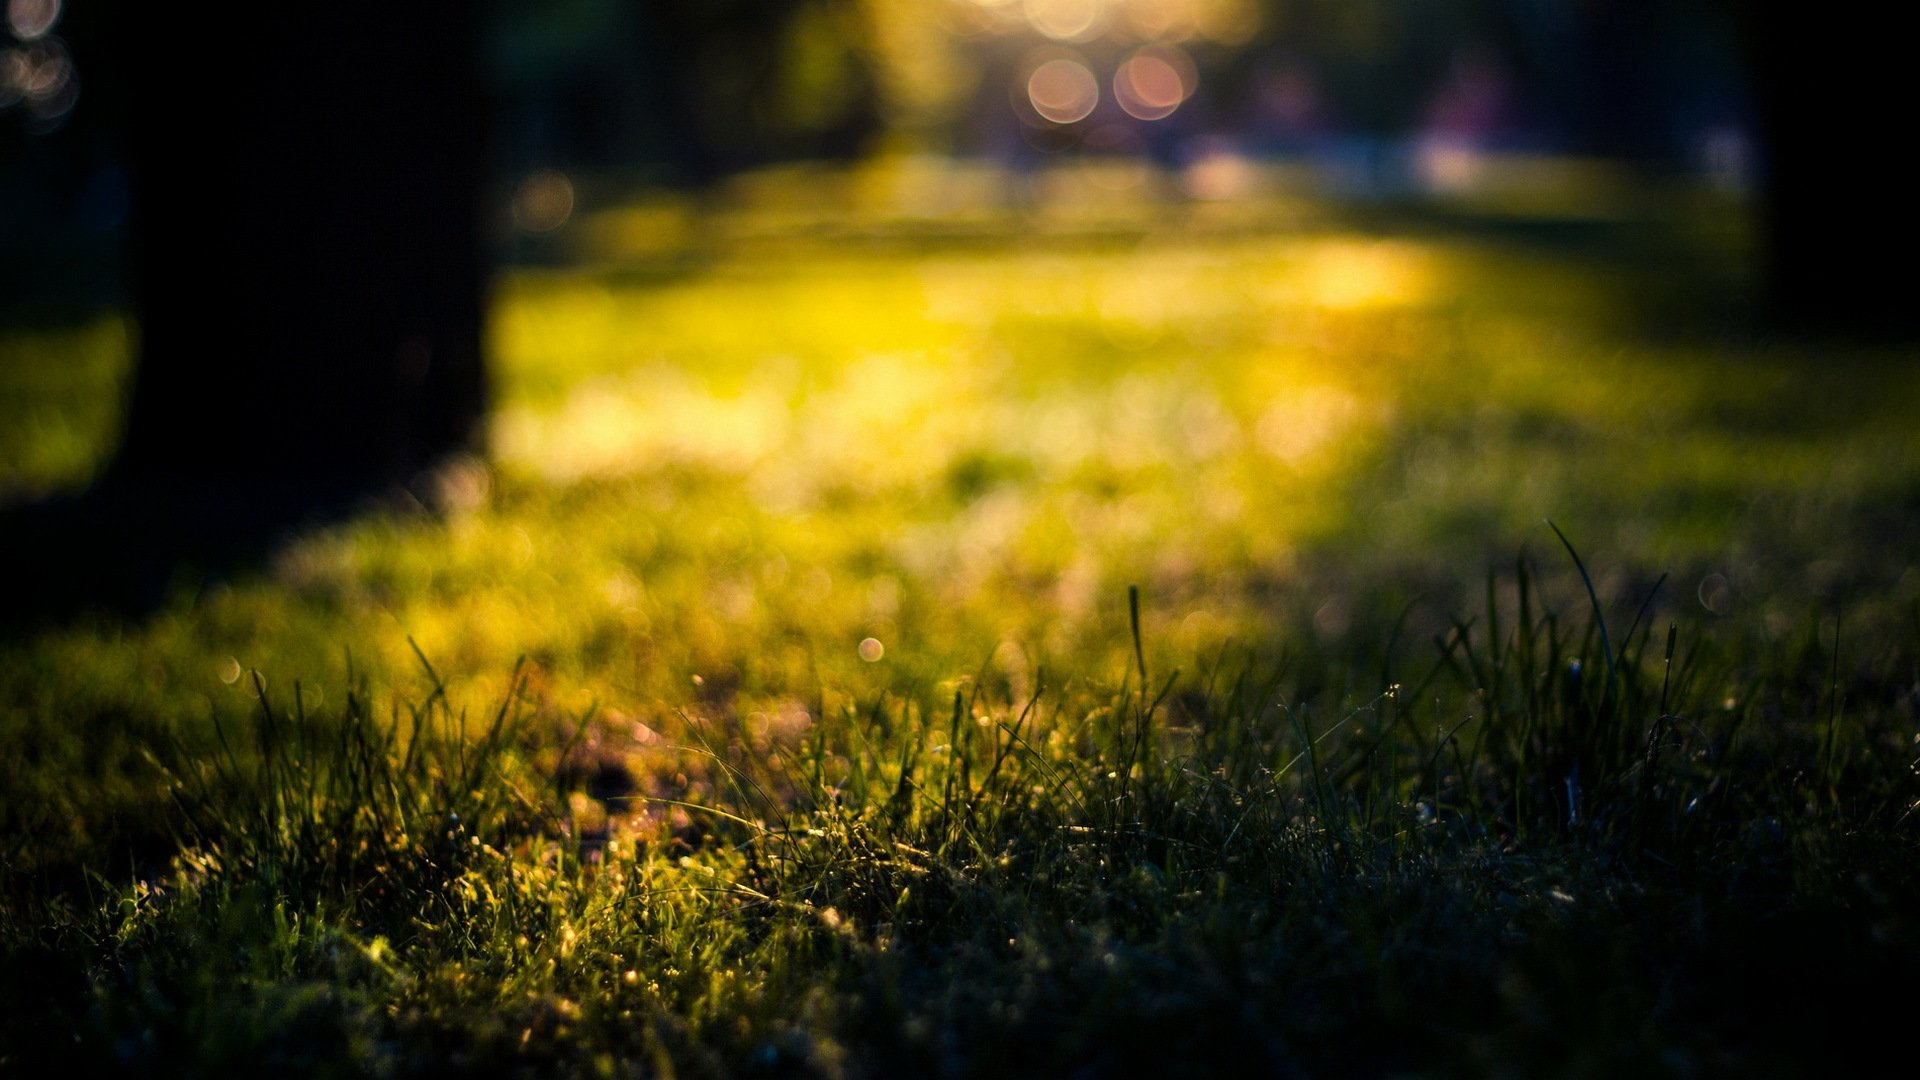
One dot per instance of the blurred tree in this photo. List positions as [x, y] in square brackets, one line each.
[573, 89]
[1379, 58]
[1834, 101]
[694, 90]
[307, 255]
[743, 82]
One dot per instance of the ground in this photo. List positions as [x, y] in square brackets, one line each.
[1056, 637]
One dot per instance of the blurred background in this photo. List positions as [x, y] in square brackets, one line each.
[1376, 97]
[720, 337]
[592, 100]
[333, 192]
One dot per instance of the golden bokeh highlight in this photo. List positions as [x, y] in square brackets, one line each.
[1066, 20]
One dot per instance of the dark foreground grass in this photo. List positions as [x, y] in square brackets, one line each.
[1558, 847]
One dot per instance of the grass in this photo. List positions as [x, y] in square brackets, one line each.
[1343, 787]
[62, 387]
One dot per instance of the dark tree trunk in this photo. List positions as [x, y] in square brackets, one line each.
[1842, 230]
[308, 267]
[308, 270]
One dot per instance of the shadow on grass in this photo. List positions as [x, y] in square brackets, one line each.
[125, 548]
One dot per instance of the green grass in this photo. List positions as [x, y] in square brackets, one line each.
[62, 388]
[1352, 789]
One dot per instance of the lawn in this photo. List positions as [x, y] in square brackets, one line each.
[1081, 636]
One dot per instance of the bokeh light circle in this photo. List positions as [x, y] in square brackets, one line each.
[543, 202]
[30, 20]
[1153, 82]
[1063, 90]
[1065, 20]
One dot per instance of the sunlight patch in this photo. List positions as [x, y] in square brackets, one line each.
[1354, 275]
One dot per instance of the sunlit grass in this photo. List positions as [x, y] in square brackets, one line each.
[62, 390]
[740, 468]
[717, 472]
[747, 466]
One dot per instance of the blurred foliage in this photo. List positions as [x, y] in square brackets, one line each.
[699, 88]
[707, 89]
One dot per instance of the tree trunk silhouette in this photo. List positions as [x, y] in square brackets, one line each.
[307, 259]
[307, 273]
[1838, 211]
